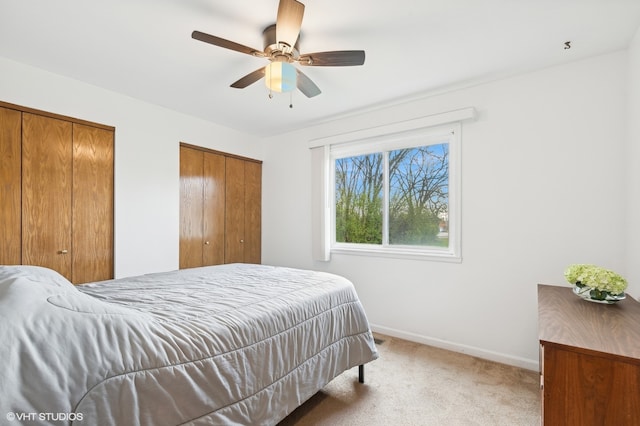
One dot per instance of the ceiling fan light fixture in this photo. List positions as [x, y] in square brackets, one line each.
[280, 77]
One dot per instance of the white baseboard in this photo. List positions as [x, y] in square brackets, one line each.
[456, 347]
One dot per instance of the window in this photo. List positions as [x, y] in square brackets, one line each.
[390, 190]
[406, 189]
[393, 195]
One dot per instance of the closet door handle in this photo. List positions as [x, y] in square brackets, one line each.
[64, 251]
[206, 243]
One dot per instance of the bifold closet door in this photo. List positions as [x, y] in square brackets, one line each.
[202, 197]
[213, 209]
[10, 186]
[56, 193]
[47, 173]
[243, 211]
[191, 201]
[220, 208]
[234, 212]
[253, 212]
[92, 208]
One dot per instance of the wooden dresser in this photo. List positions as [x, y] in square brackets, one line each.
[589, 360]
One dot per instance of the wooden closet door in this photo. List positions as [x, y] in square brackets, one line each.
[92, 209]
[252, 212]
[10, 186]
[46, 192]
[213, 209]
[191, 202]
[234, 211]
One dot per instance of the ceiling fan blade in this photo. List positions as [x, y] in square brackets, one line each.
[338, 58]
[306, 86]
[217, 41]
[249, 79]
[289, 21]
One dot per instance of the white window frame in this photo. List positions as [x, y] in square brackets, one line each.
[406, 134]
[421, 137]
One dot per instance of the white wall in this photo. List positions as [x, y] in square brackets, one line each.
[543, 186]
[633, 169]
[147, 164]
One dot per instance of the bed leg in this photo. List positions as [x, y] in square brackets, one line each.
[361, 373]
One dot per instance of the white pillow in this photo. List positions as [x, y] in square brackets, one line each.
[37, 274]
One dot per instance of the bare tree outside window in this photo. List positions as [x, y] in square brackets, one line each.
[359, 184]
[418, 198]
[418, 195]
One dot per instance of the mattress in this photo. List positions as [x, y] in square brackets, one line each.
[229, 344]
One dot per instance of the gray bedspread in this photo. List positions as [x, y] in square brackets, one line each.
[230, 344]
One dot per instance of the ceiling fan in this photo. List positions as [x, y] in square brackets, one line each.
[281, 48]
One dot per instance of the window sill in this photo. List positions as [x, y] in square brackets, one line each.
[399, 253]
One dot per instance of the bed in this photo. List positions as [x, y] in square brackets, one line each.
[229, 344]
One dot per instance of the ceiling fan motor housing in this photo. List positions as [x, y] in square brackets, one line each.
[279, 52]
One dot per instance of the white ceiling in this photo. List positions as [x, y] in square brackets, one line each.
[144, 49]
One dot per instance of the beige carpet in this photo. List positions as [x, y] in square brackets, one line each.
[414, 384]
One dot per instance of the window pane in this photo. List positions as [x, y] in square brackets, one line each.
[419, 196]
[359, 199]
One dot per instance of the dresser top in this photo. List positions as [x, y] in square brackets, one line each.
[566, 319]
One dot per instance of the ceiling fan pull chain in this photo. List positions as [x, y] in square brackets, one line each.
[291, 99]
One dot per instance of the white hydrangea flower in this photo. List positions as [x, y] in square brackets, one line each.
[595, 277]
